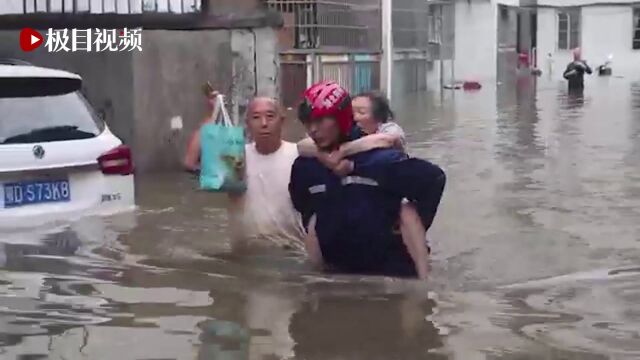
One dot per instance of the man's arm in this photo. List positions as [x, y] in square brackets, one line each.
[587, 68]
[566, 72]
[307, 148]
[419, 181]
[312, 245]
[375, 141]
[299, 193]
[300, 196]
[333, 161]
[389, 135]
[370, 142]
[191, 160]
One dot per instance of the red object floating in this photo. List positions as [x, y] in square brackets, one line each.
[523, 59]
[471, 85]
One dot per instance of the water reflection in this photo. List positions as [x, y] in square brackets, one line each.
[633, 132]
[63, 297]
[518, 146]
[347, 327]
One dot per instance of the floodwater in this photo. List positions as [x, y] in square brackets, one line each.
[536, 254]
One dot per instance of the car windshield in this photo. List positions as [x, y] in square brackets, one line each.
[47, 118]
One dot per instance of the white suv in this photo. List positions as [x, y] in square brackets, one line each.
[58, 160]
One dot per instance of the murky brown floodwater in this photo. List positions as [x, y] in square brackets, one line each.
[536, 255]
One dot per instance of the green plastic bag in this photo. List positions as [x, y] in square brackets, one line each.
[222, 157]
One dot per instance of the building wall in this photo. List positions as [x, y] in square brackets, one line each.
[550, 61]
[175, 65]
[267, 63]
[608, 30]
[101, 6]
[437, 69]
[509, 2]
[507, 48]
[11, 7]
[140, 93]
[409, 73]
[168, 76]
[524, 29]
[561, 3]
[605, 30]
[448, 43]
[475, 40]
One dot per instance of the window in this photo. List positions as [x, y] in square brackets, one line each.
[504, 12]
[636, 28]
[434, 24]
[44, 110]
[568, 29]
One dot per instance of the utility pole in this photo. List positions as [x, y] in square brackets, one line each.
[205, 7]
[441, 32]
[386, 62]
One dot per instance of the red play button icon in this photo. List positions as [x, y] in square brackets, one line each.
[30, 39]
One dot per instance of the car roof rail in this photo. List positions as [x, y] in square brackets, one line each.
[14, 62]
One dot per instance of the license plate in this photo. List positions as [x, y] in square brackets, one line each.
[36, 192]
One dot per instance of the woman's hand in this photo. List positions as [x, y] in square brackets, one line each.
[344, 168]
[212, 99]
[335, 162]
[329, 160]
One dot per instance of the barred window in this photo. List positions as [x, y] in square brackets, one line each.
[568, 29]
[636, 29]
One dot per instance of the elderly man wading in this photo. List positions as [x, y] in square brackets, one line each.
[264, 215]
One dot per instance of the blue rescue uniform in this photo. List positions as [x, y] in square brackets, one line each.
[356, 215]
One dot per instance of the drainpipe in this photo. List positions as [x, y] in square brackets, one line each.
[452, 41]
[386, 63]
[205, 7]
[441, 32]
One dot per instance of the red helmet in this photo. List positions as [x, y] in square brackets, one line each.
[327, 98]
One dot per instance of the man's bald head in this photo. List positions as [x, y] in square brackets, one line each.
[577, 54]
[264, 122]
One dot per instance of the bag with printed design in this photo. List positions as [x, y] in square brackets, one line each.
[222, 157]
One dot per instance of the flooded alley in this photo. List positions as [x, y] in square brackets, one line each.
[536, 254]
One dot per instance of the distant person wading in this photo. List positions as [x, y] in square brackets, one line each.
[575, 71]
